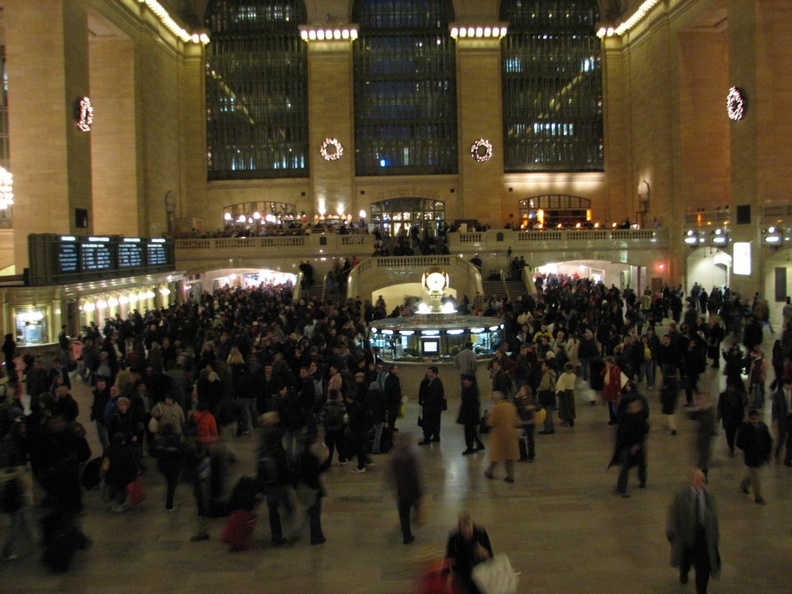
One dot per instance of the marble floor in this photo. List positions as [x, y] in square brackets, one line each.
[561, 524]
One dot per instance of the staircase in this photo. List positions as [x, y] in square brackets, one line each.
[500, 288]
[314, 293]
[493, 288]
[515, 289]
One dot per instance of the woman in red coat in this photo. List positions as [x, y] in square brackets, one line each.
[611, 391]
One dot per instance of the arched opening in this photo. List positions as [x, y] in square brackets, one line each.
[709, 267]
[403, 216]
[555, 211]
[260, 218]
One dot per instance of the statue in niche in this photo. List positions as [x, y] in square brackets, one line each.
[170, 211]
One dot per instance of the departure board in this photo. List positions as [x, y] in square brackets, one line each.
[56, 259]
[68, 257]
[131, 255]
[96, 257]
[157, 254]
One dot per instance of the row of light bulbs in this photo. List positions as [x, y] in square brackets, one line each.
[310, 34]
[351, 33]
[462, 32]
[112, 302]
[625, 26]
[171, 25]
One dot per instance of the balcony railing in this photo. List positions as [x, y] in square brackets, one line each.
[494, 238]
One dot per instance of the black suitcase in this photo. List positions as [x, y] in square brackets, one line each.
[90, 478]
[60, 552]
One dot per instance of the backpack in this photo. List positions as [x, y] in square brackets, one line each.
[12, 492]
[334, 416]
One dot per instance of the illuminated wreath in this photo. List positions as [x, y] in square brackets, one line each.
[84, 114]
[481, 150]
[735, 104]
[331, 149]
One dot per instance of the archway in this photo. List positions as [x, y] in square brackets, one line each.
[709, 267]
[399, 215]
[554, 210]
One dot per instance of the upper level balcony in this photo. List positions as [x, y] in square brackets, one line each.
[629, 246]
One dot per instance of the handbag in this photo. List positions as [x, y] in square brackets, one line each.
[445, 404]
[420, 421]
[547, 398]
[135, 491]
[496, 576]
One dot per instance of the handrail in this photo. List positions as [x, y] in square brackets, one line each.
[297, 293]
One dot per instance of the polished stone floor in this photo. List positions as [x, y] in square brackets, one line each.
[561, 524]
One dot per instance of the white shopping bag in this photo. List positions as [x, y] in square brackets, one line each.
[496, 576]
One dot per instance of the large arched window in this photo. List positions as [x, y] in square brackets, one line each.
[552, 86]
[256, 90]
[405, 88]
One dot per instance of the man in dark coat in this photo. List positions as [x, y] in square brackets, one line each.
[501, 382]
[406, 478]
[693, 532]
[470, 415]
[752, 334]
[468, 546]
[731, 411]
[393, 396]
[754, 440]
[360, 422]
[431, 398]
[375, 404]
[630, 447]
[308, 400]
[273, 474]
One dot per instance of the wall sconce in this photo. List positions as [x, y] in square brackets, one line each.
[691, 238]
[719, 237]
[772, 237]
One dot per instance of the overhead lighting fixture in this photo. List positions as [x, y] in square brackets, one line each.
[171, 25]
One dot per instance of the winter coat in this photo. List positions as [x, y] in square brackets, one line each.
[755, 442]
[504, 421]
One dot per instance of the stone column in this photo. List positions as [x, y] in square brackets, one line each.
[330, 112]
[480, 116]
[47, 55]
[759, 34]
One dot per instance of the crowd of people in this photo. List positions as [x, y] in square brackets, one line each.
[177, 385]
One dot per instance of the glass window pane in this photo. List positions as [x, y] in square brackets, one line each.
[256, 90]
[405, 88]
[552, 86]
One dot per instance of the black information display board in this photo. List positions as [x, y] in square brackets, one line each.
[131, 255]
[96, 257]
[68, 257]
[56, 259]
[157, 254]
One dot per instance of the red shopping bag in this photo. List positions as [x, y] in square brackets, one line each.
[135, 490]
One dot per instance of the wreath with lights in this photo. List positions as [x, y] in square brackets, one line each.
[481, 150]
[333, 154]
[84, 114]
[735, 104]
